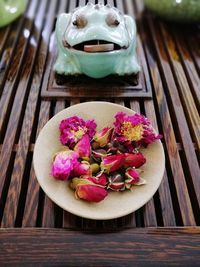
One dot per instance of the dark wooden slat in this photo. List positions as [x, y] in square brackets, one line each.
[178, 175]
[183, 86]
[16, 111]
[189, 66]
[167, 212]
[192, 37]
[71, 220]
[11, 206]
[4, 33]
[32, 199]
[149, 209]
[133, 247]
[16, 66]
[179, 115]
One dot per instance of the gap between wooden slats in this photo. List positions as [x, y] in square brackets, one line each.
[18, 104]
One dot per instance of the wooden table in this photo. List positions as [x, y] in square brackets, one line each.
[34, 231]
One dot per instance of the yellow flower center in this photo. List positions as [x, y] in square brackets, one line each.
[79, 133]
[132, 133]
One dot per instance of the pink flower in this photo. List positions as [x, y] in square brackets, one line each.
[83, 147]
[63, 164]
[86, 189]
[102, 138]
[134, 129]
[82, 168]
[134, 160]
[112, 163]
[74, 128]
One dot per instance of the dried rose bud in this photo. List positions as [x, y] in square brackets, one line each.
[83, 147]
[82, 168]
[102, 138]
[116, 182]
[134, 160]
[101, 178]
[112, 163]
[86, 189]
[133, 177]
[98, 154]
[63, 164]
[91, 193]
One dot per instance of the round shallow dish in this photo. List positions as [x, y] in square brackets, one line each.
[116, 204]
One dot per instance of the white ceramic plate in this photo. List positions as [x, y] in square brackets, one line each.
[116, 204]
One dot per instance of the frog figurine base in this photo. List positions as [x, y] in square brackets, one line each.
[97, 41]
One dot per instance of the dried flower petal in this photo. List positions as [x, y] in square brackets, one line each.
[116, 182]
[91, 193]
[82, 168]
[83, 147]
[74, 128]
[102, 138]
[134, 160]
[112, 163]
[133, 178]
[63, 164]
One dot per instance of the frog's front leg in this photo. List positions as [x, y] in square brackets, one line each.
[127, 65]
[66, 63]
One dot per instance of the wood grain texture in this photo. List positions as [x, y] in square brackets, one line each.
[133, 247]
[170, 59]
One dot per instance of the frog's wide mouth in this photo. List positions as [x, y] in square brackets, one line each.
[95, 46]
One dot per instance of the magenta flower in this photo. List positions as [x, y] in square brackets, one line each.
[82, 168]
[63, 164]
[83, 147]
[134, 129]
[134, 160]
[74, 128]
[112, 163]
[102, 138]
[87, 190]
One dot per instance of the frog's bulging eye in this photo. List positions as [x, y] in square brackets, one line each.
[112, 20]
[80, 21]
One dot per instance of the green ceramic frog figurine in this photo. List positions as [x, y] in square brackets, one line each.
[96, 40]
[10, 10]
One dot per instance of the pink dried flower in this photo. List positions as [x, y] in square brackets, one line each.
[91, 193]
[86, 189]
[133, 178]
[112, 163]
[134, 160]
[63, 164]
[116, 182]
[74, 128]
[83, 147]
[135, 129]
[102, 138]
[82, 168]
